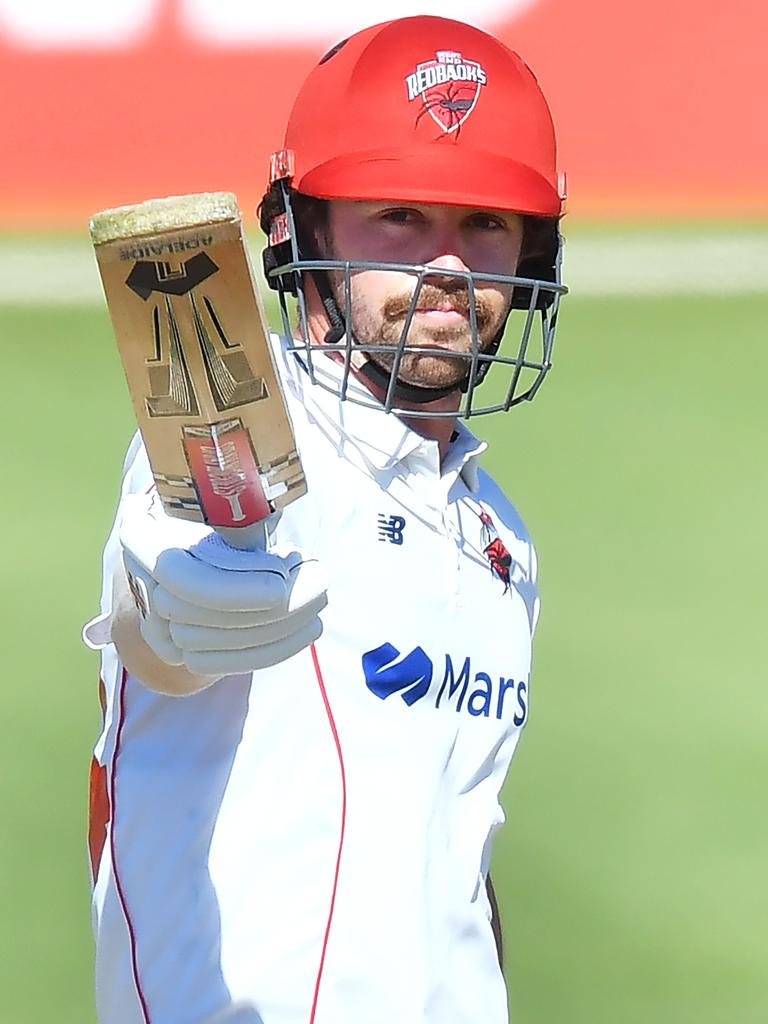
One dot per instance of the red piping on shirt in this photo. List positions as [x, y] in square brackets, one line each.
[116, 874]
[332, 723]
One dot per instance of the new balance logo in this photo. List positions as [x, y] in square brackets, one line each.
[391, 528]
[387, 672]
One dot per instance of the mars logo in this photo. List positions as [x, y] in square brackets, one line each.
[477, 693]
[449, 87]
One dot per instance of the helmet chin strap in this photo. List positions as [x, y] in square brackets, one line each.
[412, 393]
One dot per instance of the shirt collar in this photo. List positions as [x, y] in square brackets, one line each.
[379, 438]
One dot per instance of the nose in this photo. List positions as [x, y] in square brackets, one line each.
[444, 243]
[449, 261]
[445, 268]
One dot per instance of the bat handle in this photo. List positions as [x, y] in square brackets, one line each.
[246, 538]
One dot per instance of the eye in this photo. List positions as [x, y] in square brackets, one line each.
[482, 221]
[401, 215]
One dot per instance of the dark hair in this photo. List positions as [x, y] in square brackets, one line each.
[537, 236]
[311, 215]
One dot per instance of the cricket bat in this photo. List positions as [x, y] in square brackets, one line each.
[194, 344]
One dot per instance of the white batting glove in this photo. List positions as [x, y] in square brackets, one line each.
[211, 607]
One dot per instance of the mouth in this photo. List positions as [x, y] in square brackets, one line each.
[446, 314]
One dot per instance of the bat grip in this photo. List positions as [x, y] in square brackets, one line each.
[245, 538]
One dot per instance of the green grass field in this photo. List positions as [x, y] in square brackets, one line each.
[632, 873]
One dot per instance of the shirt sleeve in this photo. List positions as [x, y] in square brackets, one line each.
[136, 479]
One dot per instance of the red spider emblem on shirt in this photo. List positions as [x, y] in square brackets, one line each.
[500, 560]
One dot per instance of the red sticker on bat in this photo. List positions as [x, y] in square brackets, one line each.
[225, 472]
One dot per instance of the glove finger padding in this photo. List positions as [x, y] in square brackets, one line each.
[207, 586]
[252, 658]
[213, 638]
[306, 586]
[172, 607]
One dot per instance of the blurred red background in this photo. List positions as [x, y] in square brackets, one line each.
[659, 107]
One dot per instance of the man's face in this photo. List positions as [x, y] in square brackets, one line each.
[448, 238]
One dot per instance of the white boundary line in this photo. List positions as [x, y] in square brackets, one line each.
[35, 273]
[665, 263]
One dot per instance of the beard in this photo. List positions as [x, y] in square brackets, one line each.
[448, 364]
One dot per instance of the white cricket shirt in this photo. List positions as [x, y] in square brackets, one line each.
[310, 843]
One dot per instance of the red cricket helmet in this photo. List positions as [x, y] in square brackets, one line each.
[419, 110]
[425, 109]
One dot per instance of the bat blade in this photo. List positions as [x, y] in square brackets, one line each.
[194, 345]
